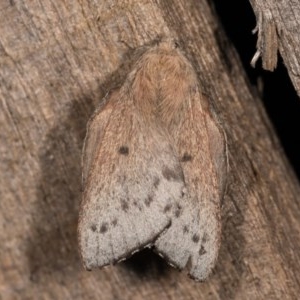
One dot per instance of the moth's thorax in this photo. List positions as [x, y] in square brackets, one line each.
[162, 86]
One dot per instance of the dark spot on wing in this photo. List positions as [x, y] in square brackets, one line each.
[205, 238]
[185, 229]
[124, 205]
[156, 182]
[186, 157]
[94, 227]
[104, 227]
[176, 44]
[178, 210]
[124, 150]
[148, 200]
[172, 174]
[114, 222]
[202, 251]
[167, 208]
[195, 238]
[136, 204]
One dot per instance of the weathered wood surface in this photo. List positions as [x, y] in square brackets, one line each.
[57, 60]
[278, 29]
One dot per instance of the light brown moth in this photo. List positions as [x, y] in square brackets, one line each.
[154, 168]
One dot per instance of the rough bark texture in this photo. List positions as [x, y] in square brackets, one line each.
[57, 60]
[278, 28]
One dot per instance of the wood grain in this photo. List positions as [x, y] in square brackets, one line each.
[278, 30]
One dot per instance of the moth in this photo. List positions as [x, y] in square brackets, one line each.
[154, 169]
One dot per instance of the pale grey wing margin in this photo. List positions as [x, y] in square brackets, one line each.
[131, 185]
[193, 238]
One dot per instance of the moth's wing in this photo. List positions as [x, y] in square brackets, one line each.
[132, 179]
[95, 134]
[193, 238]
